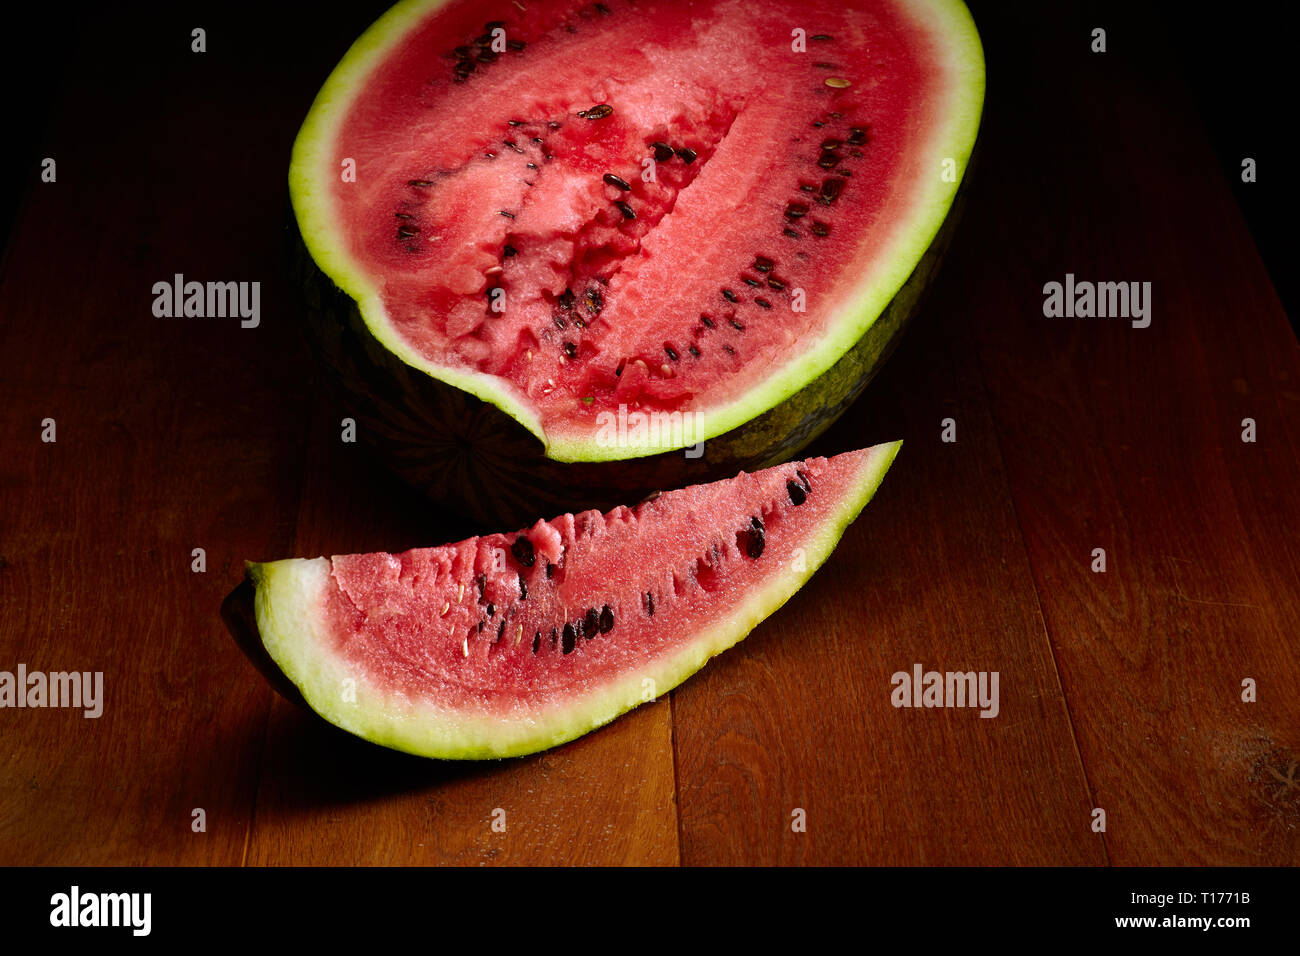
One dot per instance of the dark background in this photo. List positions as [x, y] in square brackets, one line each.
[1237, 59]
[1120, 691]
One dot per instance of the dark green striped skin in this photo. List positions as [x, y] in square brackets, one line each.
[481, 464]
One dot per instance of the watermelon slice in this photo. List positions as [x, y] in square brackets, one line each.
[578, 211]
[512, 643]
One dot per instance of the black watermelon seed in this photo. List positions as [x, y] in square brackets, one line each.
[763, 264]
[606, 619]
[599, 111]
[857, 136]
[501, 631]
[831, 189]
[615, 181]
[650, 603]
[570, 639]
[757, 538]
[736, 325]
[523, 589]
[729, 295]
[553, 124]
[601, 8]
[538, 140]
[707, 321]
[688, 155]
[566, 299]
[480, 580]
[591, 625]
[508, 215]
[550, 570]
[748, 281]
[763, 303]
[818, 123]
[825, 66]
[570, 350]
[821, 36]
[693, 350]
[522, 549]
[832, 143]
[791, 233]
[855, 153]
[828, 159]
[491, 610]
[403, 215]
[729, 350]
[796, 210]
[627, 211]
[515, 45]
[420, 183]
[594, 301]
[774, 283]
[465, 67]
[555, 637]
[514, 122]
[537, 641]
[532, 165]
[480, 626]
[820, 229]
[512, 144]
[671, 354]
[663, 152]
[509, 251]
[406, 232]
[579, 323]
[486, 56]
[797, 495]
[560, 323]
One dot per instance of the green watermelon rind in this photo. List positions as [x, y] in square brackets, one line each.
[313, 166]
[287, 609]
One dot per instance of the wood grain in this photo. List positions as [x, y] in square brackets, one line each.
[162, 447]
[1119, 690]
[1130, 440]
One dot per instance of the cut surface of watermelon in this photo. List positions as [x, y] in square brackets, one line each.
[511, 643]
[678, 207]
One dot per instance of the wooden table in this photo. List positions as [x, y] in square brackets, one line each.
[1120, 690]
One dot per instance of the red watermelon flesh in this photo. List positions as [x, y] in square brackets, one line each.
[510, 643]
[517, 218]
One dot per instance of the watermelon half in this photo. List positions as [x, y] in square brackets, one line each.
[546, 247]
[511, 643]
